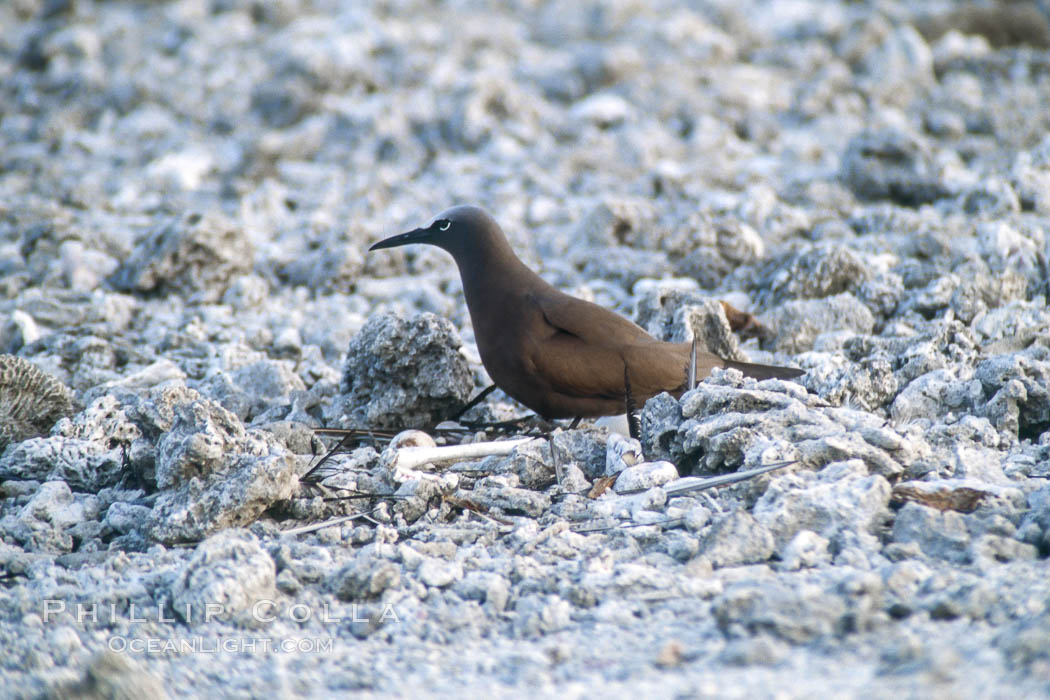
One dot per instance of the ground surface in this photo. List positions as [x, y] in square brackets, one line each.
[187, 193]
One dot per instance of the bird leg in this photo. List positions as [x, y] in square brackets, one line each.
[633, 425]
[575, 422]
[691, 384]
[554, 458]
[474, 401]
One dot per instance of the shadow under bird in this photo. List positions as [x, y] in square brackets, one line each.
[560, 356]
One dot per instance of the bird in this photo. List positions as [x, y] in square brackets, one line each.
[558, 355]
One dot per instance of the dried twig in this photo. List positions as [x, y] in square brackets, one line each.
[670, 522]
[313, 475]
[696, 483]
[313, 527]
[412, 457]
[474, 401]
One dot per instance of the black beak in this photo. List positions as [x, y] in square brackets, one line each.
[419, 235]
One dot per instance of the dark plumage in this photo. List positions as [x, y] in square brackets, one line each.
[561, 356]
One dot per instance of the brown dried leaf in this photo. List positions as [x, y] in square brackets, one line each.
[940, 496]
[744, 323]
[601, 486]
[466, 504]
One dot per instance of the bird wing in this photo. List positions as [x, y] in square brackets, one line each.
[575, 368]
[589, 347]
[588, 322]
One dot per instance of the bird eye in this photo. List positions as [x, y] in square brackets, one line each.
[444, 225]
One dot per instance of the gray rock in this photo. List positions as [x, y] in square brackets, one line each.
[869, 385]
[1035, 526]
[941, 535]
[331, 262]
[616, 222]
[1018, 385]
[1024, 642]
[439, 573]
[736, 539]
[225, 579]
[491, 493]
[980, 291]
[196, 256]
[233, 497]
[680, 546]
[122, 518]
[247, 292]
[760, 650]
[531, 462]
[796, 615]
[104, 421]
[87, 452]
[573, 480]
[602, 110]
[644, 476]
[840, 497]
[881, 293]
[992, 197]
[989, 551]
[847, 446]
[249, 390]
[46, 521]
[1030, 178]
[806, 549]
[415, 497]
[621, 452]
[200, 441]
[113, 675]
[584, 448]
[934, 394]
[83, 464]
[680, 316]
[900, 65]
[281, 102]
[296, 437]
[541, 614]
[365, 578]
[816, 272]
[660, 419]
[404, 373]
[623, 265]
[893, 165]
[486, 587]
[797, 324]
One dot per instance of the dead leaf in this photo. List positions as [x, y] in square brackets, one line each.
[466, 504]
[940, 496]
[744, 323]
[601, 486]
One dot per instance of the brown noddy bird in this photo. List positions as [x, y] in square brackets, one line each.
[561, 356]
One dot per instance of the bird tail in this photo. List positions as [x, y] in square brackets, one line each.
[764, 371]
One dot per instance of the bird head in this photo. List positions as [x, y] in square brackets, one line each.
[457, 230]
